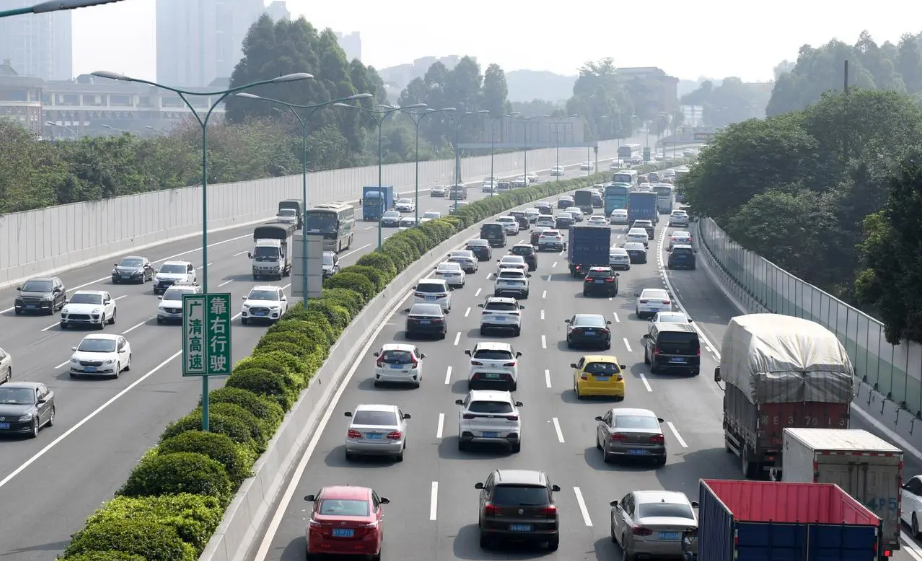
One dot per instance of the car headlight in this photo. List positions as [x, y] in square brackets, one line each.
[114, 271]
[273, 307]
[161, 309]
[46, 298]
[95, 311]
[108, 361]
[25, 418]
[246, 307]
[74, 360]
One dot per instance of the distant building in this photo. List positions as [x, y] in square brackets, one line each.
[351, 44]
[399, 76]
[663, 89]
[200, 40]
[278, 11]
[39, 46]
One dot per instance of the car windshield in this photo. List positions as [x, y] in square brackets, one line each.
[17, 396]
[404, 201]
[266, 252]
[97, 346]
[665, 510]
[511, 274]
[375, 418]
[490, 407]
[263, 295]
[449, 267]
[520, 495]
[288, 212]
[587, 320]
[86, 299]
[654, 294]
[325, 223]
[550, 233]
[342, 507]
[682, 251]
[327, 258]
[636, 422]
[500, 307]
[175, 293]
[427, 310]
[633, 246]
[492, 354]
[602, 368]
[37, 286]
[617, 252]
[672, 317]
[523, 249]
[599, 274]
[392, 214]
[130, 262]
[173, 269]
[512, 260]
[396, 357]
[429, 287]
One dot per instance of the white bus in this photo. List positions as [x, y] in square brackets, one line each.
[630, 152]
[335, 221]
[629, 176]
[665, 197]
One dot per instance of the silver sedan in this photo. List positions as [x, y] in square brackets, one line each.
[631, 433]
[653, 524]
[377, 430]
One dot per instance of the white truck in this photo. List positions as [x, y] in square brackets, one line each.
[866, 467]
[271, 256]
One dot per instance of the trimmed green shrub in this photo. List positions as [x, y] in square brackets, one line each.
[152, 541]
[352, 281]
[418, 240]
[262, 362]
[264, 408]
[267, 384]
[315, 326]
[103, 556]
[349, 299]
[378, 278]
[292, 337]
[338, 316]
[235, 429]
[237, 460]
[172, 474]
[293, 364]
[258, 429]
[401, 252]
[195, 517]
[282, 346]
[379, 261]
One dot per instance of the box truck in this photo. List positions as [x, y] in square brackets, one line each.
[588, 247]
[376, 201]
[271, 256]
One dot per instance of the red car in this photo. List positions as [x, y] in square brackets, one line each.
[345, 521]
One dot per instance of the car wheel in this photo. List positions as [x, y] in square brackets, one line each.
[128, 366]
[646, 357]
[112, 319]
[517, 447]
[625, 554]
[611, 532]
[569, 343]
[462, 446]
[350, 456]
[553, 544]
[102, 323]
[35, 428]
[399, 457]
[50, 422]
[607, 345]
[580, 396]
[9, 375]
[159, 321]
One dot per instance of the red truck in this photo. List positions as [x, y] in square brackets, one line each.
[780, 372]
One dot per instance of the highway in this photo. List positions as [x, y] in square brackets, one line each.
[433, 511]
[103, 427]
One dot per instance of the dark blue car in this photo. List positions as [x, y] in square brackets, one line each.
[681, 257]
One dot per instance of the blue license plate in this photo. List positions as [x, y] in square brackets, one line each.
[260, 314]
[492, 376]
[520, 527]
[90, 368]
[635, 452]
[491, 435]
[425, 322]
[430, 298]
[343, 532]
[126, 277]
[4, 426]
[669, 536]
[591, 334]
[501, 318]
[397, 366]
[32, 306]
[598, 281]
[679, 360]
[601, 378]
[373, 436]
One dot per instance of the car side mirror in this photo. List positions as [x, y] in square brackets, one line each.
[459, 402]
[521, 307]
[573, 365]
[73, 348]
[646, 335]
[161, 298]
[310, 498]
[566, 321]
[623, 367]
[115, 265]
[717, 377]
[384, 501]
[519, 404]
[375, 354]
[422, 355]
[243, 298]
[614, 504]
[518, 354]
[348, 413]
[19, 288]
[690, 320]
[406, 416]
[406, 310]
[636, 295]
[467, 352]
[608, 322]
[694, 504]
[480, 305]
[660, 420]
[598, 418]
[284, 298]
[478, 486]
[555, 488]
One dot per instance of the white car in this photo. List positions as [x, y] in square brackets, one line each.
[551, 240]
[520, 181]
[489, 417]
[651, 301]
[405, 205]
[618, 216]
[576, 213]
[398, 363]
[452, 273]
[619, 259]
[264, 303]
[532, 214]
[170, 306]
[510, 225]
[911, 500]
[493, 364]
[680, 238]
[88, 307]
[172, 272]
[501, 313]
[667, 317]
[585, 166]
[597, 220]
[438, 191]
[101, 355]
[487, 186]
[6, 367]
[511, 282]
[287, 216]
[638, 235]
[516, 262]
[431, 215]
[557, 171]
[466, 259]
[678, 218]
[546, 221]
[377, 430]
[433, 291]
[406, 222]
[532, 177]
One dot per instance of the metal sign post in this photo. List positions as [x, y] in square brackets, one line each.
[206, 340]
[646, 155]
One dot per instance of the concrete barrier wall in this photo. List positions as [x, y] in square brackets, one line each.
[50, 240]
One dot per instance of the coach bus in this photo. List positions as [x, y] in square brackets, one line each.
[630, 152]
[629, 176]
[335, 221]
[616, 196]
[665, 197]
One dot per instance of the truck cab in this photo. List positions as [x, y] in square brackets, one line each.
[271, 256]
[285, 211]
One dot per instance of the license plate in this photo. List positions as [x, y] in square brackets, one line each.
[598, 282]
[501, 318]
[397, 366]
[637, 452]
[601, 378]
[4, 426]
[520, 527]
[126, 277]
[492, 376]
[343, 532]
[33, 306]
[669, 536]
[261, 313]
[591, 334]
[373, 436]
[679, 360]
[491, 435]
[425, 322]
[430, 298]
[90, 368]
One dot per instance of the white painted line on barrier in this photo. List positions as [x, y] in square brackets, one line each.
[628, 345]
[557, 430]
[646, 384]
[225, 283]
[548, 278]
[582, 506]
[133, 327]
[543, 342]
[434, 501]
[356, 250]
[478, 292]
[544, 294]
[678, 436]
[547, 377]
[467, 312]
[448, 375]
[438, 430]
[65, 363]
[85, 420]
[457, 338]
[617, 319]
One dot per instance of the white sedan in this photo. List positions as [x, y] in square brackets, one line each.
[88, 307]
[651, 301]
[405, 205]
[451, 273]
[101, 355]
[377, 430]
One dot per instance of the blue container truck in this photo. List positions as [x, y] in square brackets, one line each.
[641, 205]
[588, 247]
[376, 201]
[769, 521]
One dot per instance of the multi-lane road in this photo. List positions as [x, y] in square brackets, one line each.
[48, 485]
[434, 507]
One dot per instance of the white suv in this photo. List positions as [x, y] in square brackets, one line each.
[511, 281]
[489, 417]
[678, 218]
[400, 364]
[88, 307]
[501, 313]
[170, 307]
[172, 272]
[493, 364]
[514, 262]
[433, 291]
[264, 303]
[510, 225]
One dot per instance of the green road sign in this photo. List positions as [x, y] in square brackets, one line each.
[646, 154]
[206, 335]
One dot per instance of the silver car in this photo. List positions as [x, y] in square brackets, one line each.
[466, 259]
[631, 433]
[652, 301]
[652, 523]
[6, 366]
[619, 259]
[377, 430]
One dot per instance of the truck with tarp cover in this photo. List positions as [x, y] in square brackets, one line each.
[271, 256]
[780, 372]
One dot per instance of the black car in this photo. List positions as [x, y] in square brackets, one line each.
[536, 233]
[564, 203]
[637, 255]
[133, 269]
[481, 249]
[672, 346]
[426, 319]
[526, 252]
[330, 264]
[562, 222]
[600, 280]
[25, 407]
[521, 220]
[544, 208]
[391, 219]
[681, 257]
[494, 233]
[518, 505]
[590, 330]
[43, 295]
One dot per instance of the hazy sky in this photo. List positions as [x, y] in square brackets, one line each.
[688, 38]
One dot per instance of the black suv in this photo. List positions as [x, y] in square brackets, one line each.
[526, 252]
[494, 233]
[518, 505]
[600, 280]
[42, 295]
[672, 346]
[521, 219]
[681, 257]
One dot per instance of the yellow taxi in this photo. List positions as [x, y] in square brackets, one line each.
[598, 375]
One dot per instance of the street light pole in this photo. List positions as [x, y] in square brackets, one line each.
[55, 6]
[65, 127]
[417, 118]
[458, 121]
[527, 120]
[493, 147]
[303, 121]
[203, 122]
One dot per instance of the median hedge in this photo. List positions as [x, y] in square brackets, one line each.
[175, 497]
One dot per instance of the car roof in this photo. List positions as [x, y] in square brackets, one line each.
[132, 257]
[601, 358]
[176, 262]
[492, 346]
[646, 497]
[519, 477]
[600, 269]
[513, 258]
[104, 336]
[633, 245]
[618, 250]
[21, 385]
[450, 264]
[397, 347]
[501, 300]
[264, 287]
[345, 492]
[432, 281]
[376, 407]
[597, 316]
[96, 292]
[636, 412]
[490, 395]
[676, 327]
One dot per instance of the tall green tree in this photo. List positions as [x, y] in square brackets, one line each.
[909, 63]
[601, 97]
[495, 91]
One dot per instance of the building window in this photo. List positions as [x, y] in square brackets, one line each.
[69, 99]
[120, 100]
[14, 95]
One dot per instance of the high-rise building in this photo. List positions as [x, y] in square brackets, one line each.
[37, 46]
[351, 44]
[278, 11]
[199, 41]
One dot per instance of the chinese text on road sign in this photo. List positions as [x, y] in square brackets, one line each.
[206, 336]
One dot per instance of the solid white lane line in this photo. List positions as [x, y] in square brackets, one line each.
[225, 283]
[677, 435]
[438, 431]
[542, 314]
[646, 384]
[628, 345]
[544, 294]
[85, 420]
[239, 253]
[356, 250]
[448, 375]
[133, 327]
[467, 312]
[203, 266]
[434, 502]
[582, 506]
[65, 363]
[478, 292]
[547, 377]
[543, 342]
[557, 430]
[52, 325]
[457, 338]
[911, 546]
[120, 297]
[554, 265]
[617, 319]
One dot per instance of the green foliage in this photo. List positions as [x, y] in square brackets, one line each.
[354, 281]
[235, 429]
[258, 429]
[278, 387]
[609, 103]
[378, 261]
[338, 316]
[263, 408]
[147, 539]
[351, 300]
[103, 556]
[303, 344]
[314, 317]
[173, 474]
[378, 278]
[732, 101]
[237, 460]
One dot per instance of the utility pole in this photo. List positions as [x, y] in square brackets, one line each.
[847, 128]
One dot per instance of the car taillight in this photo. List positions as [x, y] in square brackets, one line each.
[314, 524]
[354, 434]
[609, 280]
[468, 416]
[490, 509]
[414, 362]
[549, 511]
[511, 417]
[699, 352]
[371, 525]
[420, 294]
[643, 301]
[588, 279]
[618, 437]
[658, 439]
[509, 363]
[441, 295]
[667, 301]
[619, 377]
[656, 350]
[380, 362]
[476, 363]
[641, 531]
[584, 376]
[438, 320]
[394, 435]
